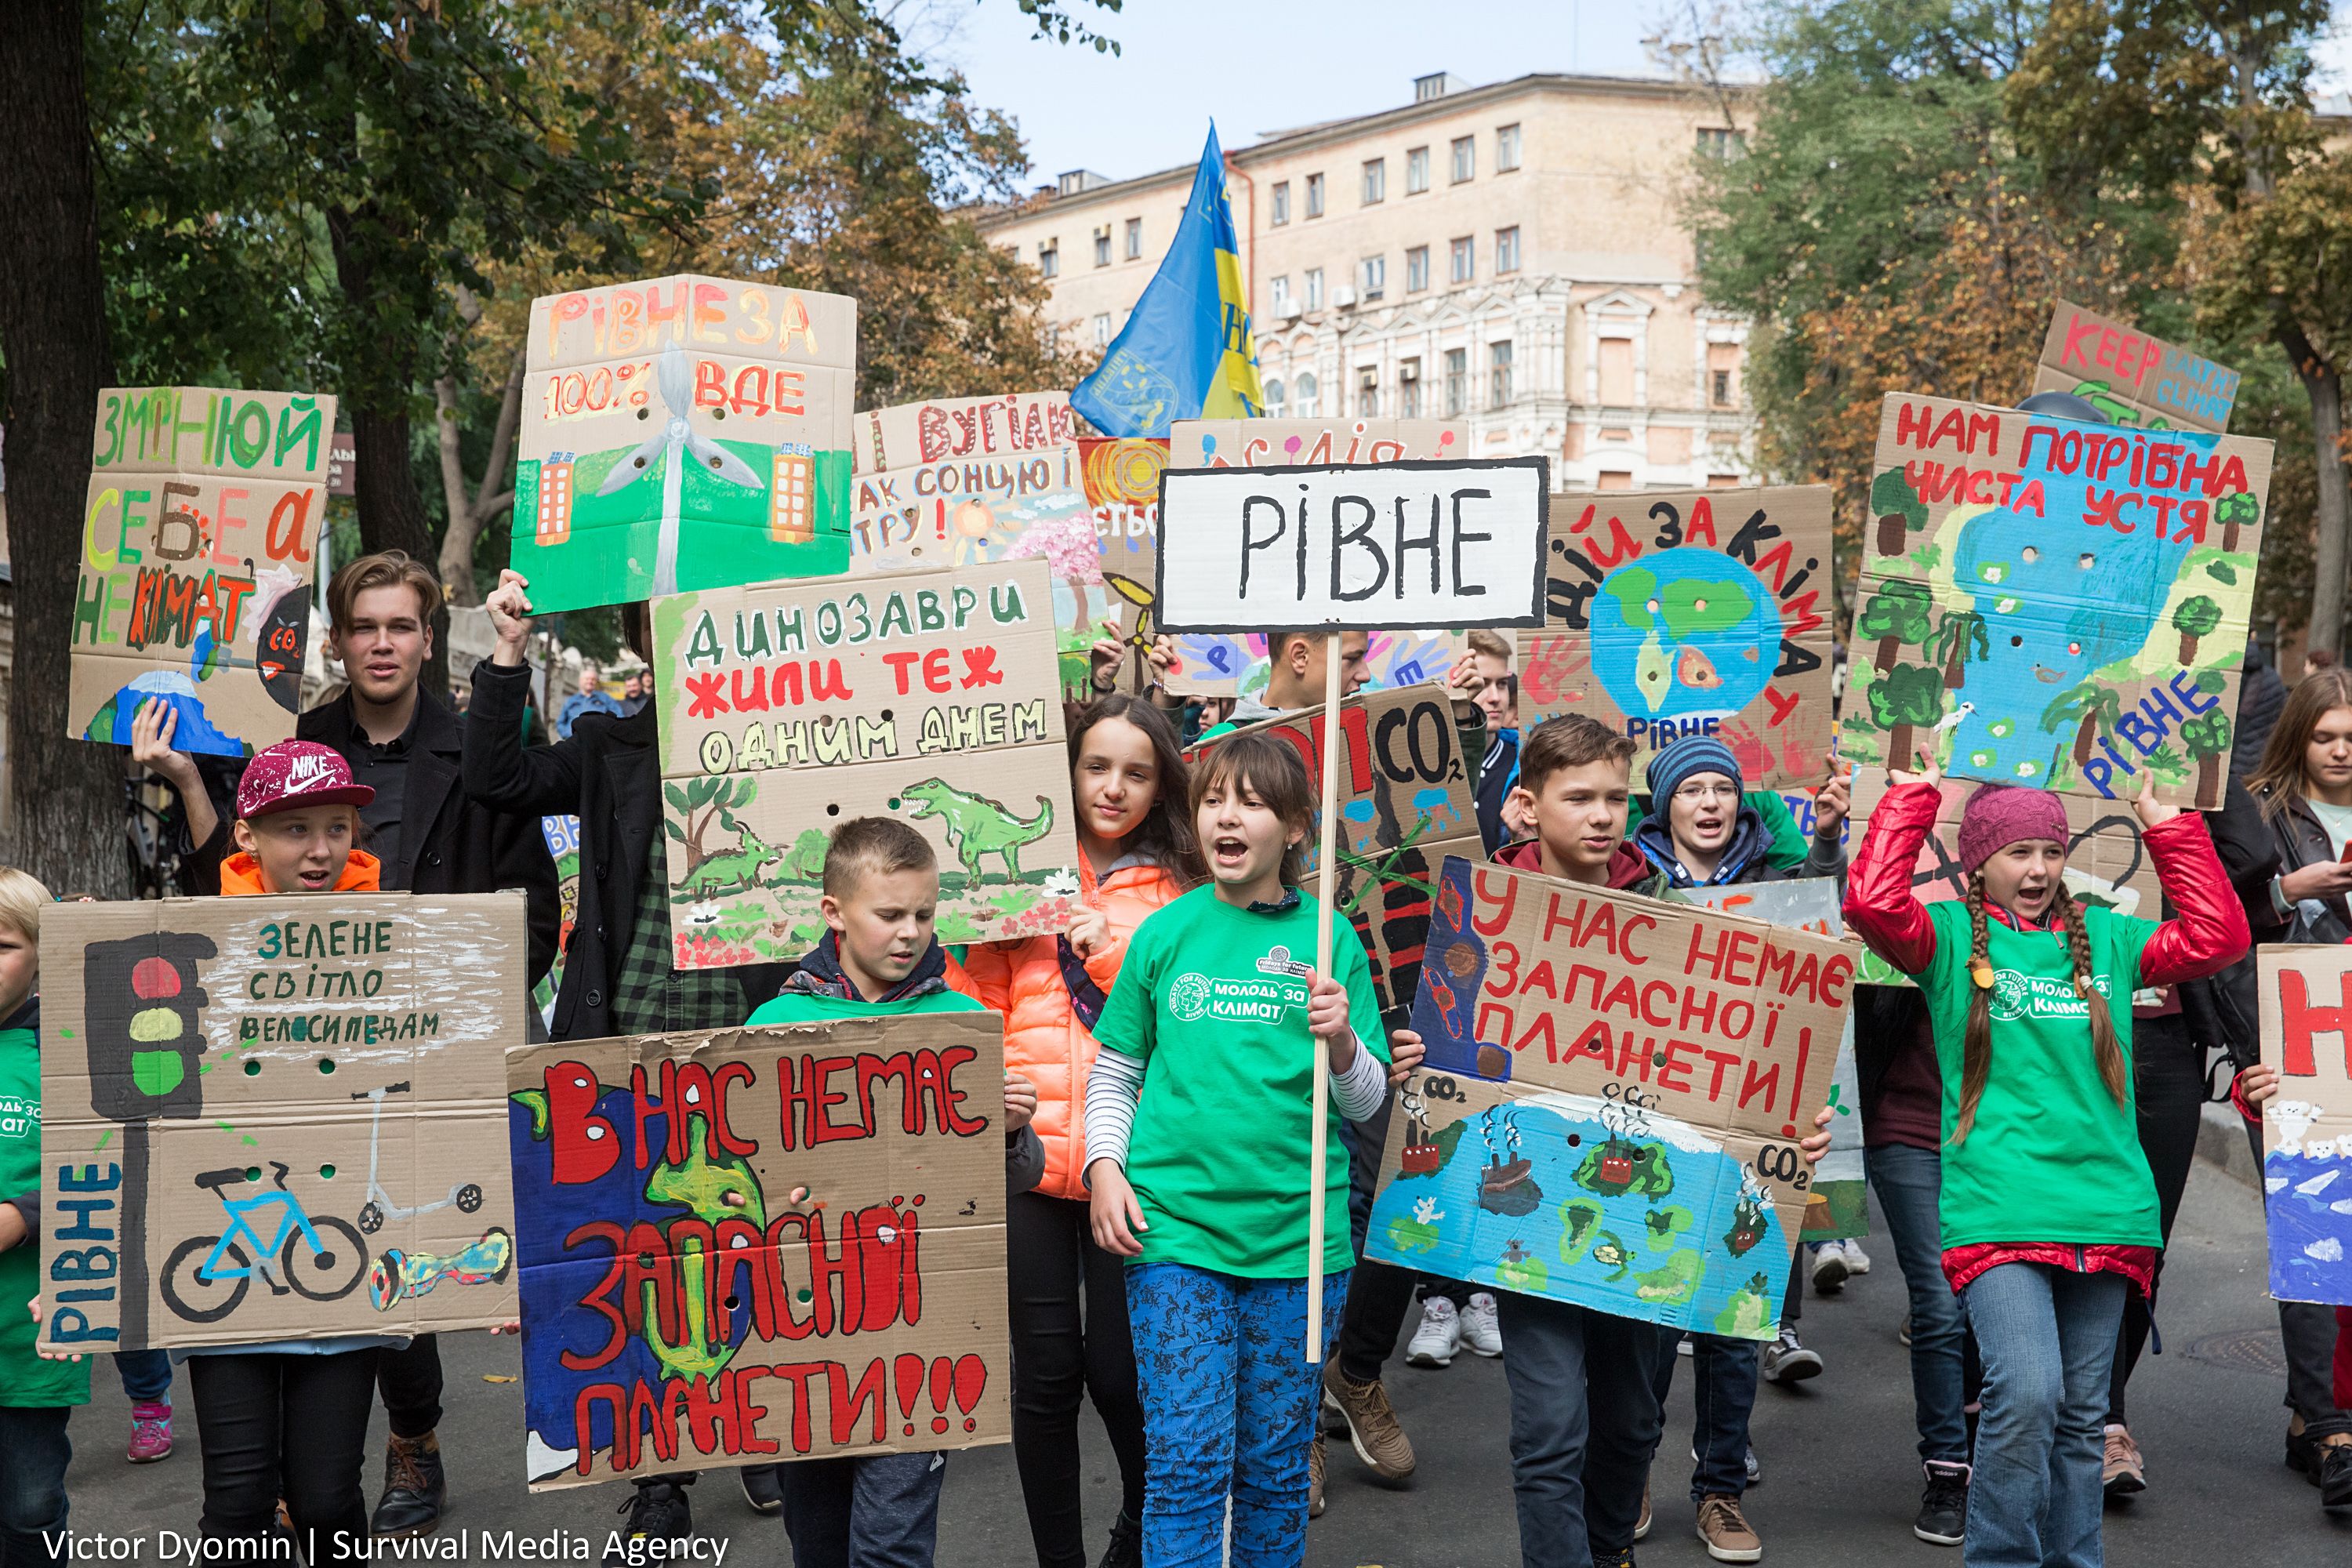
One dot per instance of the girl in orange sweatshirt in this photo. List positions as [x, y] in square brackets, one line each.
[1068, 1296]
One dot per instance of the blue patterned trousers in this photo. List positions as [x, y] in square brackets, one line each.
[1229, 1403]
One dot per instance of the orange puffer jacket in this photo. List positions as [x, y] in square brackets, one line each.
[1043, 1040]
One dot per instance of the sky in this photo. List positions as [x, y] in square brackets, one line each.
[1260, 66]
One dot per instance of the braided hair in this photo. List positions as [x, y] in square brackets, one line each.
[1975, 1049]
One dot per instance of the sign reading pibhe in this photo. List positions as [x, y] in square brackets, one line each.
[1353, 548]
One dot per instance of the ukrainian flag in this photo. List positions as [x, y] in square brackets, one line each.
[1186, 351]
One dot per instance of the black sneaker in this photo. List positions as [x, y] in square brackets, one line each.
[1621, 1558]
[763, 1487]
[2326, 1467]
[1125, 1548]
[416, 1488]
[657, 1510]
[1944, 1509]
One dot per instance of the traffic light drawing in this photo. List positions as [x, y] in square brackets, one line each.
[142, 1008]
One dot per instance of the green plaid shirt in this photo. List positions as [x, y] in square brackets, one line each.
[653, 997]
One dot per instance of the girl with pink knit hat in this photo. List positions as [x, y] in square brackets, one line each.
[2048, 1209]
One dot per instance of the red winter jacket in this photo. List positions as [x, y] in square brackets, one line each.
[1627, 868]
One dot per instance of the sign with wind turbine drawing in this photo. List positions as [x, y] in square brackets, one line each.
[680, 434]
[2055, 604]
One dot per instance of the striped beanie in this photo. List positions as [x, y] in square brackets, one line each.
[1692, 755]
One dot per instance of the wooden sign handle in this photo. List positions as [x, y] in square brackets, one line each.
[1326, 897]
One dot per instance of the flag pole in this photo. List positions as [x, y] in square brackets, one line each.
[1325, 896]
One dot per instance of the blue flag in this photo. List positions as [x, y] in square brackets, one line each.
[1186, 351]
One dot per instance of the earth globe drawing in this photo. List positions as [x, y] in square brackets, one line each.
[1686, 633]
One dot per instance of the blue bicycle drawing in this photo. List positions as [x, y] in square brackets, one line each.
[315, 1255]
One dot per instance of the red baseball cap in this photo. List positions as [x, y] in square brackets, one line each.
[292, 775]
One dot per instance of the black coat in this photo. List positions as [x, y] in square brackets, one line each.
[448, 843]
[609, 772]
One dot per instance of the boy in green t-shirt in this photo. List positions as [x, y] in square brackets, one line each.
[880, 955]
[36, 1393]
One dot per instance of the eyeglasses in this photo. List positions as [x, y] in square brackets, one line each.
[1697, 794]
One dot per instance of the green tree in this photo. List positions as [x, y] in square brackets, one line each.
[1961, 635]
[2195, 618]
[1902, 699]
[1898, 509]
[1897, 612]
[2091, 708]
[2207, 737]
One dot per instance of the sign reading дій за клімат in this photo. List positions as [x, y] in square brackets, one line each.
[1441, 543]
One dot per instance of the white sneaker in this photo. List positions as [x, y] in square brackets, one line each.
[1482, 1330]
[1829, 1270]
[1857, 1261]
[1438, 1337]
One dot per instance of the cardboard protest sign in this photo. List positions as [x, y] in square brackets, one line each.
[760, 1245]
[1406, 800]
[197, 556]
[2134, 379]
[788, 710]
[2053, 603]
[1221, 664]
[1691, 612]
[1122, 485]
[277, 1117]
[939, 430]
[2306, 1024]
[683, 432]
[1609, 1109]
[1245, 550]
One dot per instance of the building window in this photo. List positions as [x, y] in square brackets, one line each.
[1102, 246]
[1367, 394]
[1498, 375]
[1409, 389]
[1507, 148]
[1465, 158]
[1274, 395]
[1314, 195]
[1049, 259]
[1102, 330]
[1281, 203]
[1461, 260]
[1457, 363]
[1416, 171]
[1617, 372]
[1376, 180]
[1372, 275]
[1306, 394]
[1722, 481]
[1416, 269]
[1616, 479]
[1722, 365]
[1282, 295]
[1315, 287]
[1506, 249]
[1135, 239]
[1722, 144]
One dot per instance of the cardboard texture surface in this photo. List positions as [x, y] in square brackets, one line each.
[2052, 604]
[851, 1175]
[1018, 424]
[2135, 379]
[197, 558]
[277, 1117]
[1221, 664]
[683, 432]
[1691, 612]
[788, 710]
[1609, 1109]
[1122, 484]
[1405, 802]
[2306, 1023]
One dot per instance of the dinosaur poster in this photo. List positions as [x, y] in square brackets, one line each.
[1609, 1109]
[1227, 664]
[2053, 603]
[2306, 1026]
[1680, 613]
[789, 709]
[197, 559]
[761, 1244]
[683, 432]
[2135, 379]
[1405, 802]
[273, 1117]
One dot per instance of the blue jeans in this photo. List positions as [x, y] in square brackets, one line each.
[1229, 1401]
[34, 1454]
[1584, 1425]
[1723, 1397]
[1908, 1181]
[146, 1375]
[876, 1510]
[2048, 1340]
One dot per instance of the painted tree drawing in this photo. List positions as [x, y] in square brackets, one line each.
[2206, 736]
[2196, 618]
[1959, 636]
[2091, 707]
[1907, 697]
[1899, 511]
[1898, 613]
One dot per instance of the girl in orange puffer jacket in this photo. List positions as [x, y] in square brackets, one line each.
[1127, 782]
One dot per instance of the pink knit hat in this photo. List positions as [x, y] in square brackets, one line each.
[1999, 814]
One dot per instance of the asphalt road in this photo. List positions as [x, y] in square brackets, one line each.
[1840, 1480]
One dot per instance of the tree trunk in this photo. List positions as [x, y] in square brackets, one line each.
[1956, 669]
[1899, 747]
[1890, 534]
[2085, 733]
[2188, 648]
[1887, 649]
[469, 514]
[65, 821]
[2209, 781]
[2328, 563]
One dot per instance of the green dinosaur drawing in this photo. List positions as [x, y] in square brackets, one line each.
[977, 825]
[805, 861]
[736, 869]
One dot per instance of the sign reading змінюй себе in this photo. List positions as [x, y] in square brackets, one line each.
[1439, 543]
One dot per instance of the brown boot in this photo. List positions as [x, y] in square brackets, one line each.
[415, 1487]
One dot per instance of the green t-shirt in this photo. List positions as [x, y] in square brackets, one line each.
[1212, 999]
[800, 1007]
[2051, 1156]
[25, 1379]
